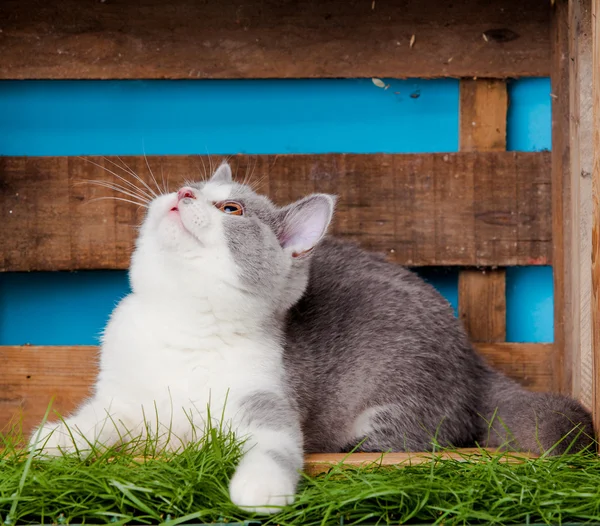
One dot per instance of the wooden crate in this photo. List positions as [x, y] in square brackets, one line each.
[483, 209]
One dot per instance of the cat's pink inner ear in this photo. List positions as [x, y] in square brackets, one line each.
[305, 223]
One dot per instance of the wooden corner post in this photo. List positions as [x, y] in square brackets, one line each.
[572, 160]
[596, 211]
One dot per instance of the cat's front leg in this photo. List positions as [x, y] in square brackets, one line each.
[267, 475]
[91, 427]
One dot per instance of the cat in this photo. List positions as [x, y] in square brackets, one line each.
[215, 269]
[377, 361]
[320, 345]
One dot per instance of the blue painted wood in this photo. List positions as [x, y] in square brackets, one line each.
[225, 117]
[221, 117]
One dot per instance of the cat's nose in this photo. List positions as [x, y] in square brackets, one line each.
[185, 192]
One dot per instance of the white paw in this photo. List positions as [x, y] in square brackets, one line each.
[260, 485]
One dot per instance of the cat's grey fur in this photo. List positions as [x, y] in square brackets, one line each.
[370, 337]
[375, 357]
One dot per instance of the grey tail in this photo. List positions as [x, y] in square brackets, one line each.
[525, 421]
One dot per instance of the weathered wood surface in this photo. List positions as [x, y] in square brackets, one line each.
[483, 107]
[181, 39]
[482, 293]
[482, 304]
[323, 462]
[562, 191]
[578, 231]
[572, 160]
[30, 376]
[427, 209]
[595, 248]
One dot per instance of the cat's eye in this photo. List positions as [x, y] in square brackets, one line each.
[231, 207]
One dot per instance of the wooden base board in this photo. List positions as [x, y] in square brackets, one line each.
[30, 376]
[317, 463]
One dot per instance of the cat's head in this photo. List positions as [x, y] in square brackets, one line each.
[221, 241]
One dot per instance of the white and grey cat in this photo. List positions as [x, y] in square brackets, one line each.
[314, 345]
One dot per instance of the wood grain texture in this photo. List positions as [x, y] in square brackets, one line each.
[564, 326]
[482, 293]
[434, 209]
[578, 228]
[33, 377]
[180, 39]
[30, 376]
[482, 304]
[483, 111]
[596, 220]
[528, 363]
[317, 463]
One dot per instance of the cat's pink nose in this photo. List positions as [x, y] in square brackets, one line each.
[184, 192]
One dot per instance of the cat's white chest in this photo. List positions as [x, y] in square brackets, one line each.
[177, 372]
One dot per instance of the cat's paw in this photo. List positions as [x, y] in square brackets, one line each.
[262, 486]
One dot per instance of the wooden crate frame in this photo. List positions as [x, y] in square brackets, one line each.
[479, 41]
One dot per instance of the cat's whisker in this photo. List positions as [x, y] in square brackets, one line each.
[116, 174]
[245, 181]
[164, 182]
[237, 167]
[129, 171]
[256, 185]
[118, 199]
[152, 174]
[139, 178]
[210, 168]
[204, 174]
[117, 188]
[249, 179]
[114, 186]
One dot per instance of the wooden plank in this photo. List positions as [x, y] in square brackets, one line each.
[483, 107]
[30, 376]
[317, 463]
[482, 293]
[182, 39]
[482, 304]
[564, 327]
[418, 209]
[596, 219]
[572, 146]
[528, 363]
[33, 377]
[579, 231]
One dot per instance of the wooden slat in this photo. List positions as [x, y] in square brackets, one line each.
[528, 363]
[564, 327]
[482, 304]
[482, 293]
[572, 161]
[483, 107]
[75, 39]
[317, 463]
[577, 215]
[470, 209]
[596, 217]
[30, 376]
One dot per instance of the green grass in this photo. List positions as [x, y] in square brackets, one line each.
[191, 486]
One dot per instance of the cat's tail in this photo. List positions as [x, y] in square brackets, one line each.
[534, 422]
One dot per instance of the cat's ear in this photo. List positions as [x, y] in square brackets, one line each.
[305, 222]
[222, 174]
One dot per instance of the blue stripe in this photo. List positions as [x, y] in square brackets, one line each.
[222, 117]
[226, 117]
